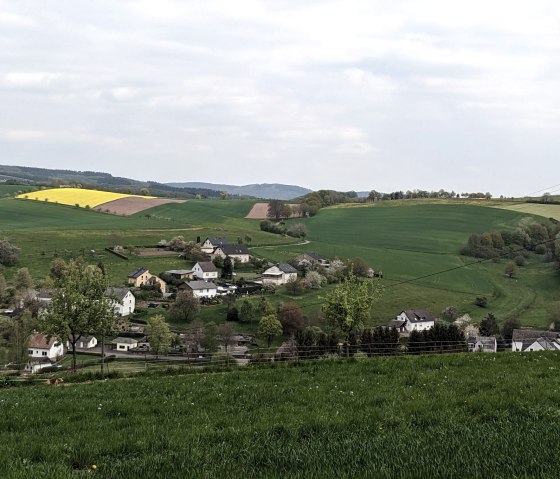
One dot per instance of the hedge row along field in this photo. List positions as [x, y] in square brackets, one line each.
[76, 196]
[462, 415]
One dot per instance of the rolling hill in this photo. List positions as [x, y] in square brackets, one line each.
[274, 191]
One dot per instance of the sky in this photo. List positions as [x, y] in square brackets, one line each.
[346, 95]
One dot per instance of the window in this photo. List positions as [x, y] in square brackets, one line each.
[43, 353]
[30, 351]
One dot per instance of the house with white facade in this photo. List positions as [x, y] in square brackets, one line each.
[211, 243]
[84, 342]
[202, 289]
[43, 352]
[239, 253]
[278, 274]
[124, 344]
[482, 344]
[524, 340]
[124, 301]
[413, 320]
[205, 270]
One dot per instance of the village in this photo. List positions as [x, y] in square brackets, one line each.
[213, 280]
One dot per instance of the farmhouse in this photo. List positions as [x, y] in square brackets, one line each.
[413, 320]
[534, 340]
[211, 243]
[124, 301]
[482, 344]
[124, 344]
[139, 277]
[42, 352]
[202, 289]
[278, 274]
[205, 270]
[237, 252]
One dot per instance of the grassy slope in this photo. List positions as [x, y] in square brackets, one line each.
[420, 238]
[433, 416]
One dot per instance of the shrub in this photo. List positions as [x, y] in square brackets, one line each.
[481, 301]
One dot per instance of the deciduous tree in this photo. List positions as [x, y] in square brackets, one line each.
[78, 306]
[159, 334]
[23, 280]
[348, 306]
[185, 307]
[269, 327]
[489, 326]
[8, 253]
[291, 318]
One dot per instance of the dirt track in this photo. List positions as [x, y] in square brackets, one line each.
[133, 204]
[259, 210]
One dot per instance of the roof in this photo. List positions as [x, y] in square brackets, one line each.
[201, 285]
[124, 340]
[118, 293]
[179, 271]
[138, 272]
[216, 240]
[530, 336]
[86, 338]
[396, 323]
[233, 249]
[286, 268]
[418, 315]
[39, 341]
[207, 266]
[486, 341]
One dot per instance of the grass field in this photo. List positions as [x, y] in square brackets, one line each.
[405, 241]
[548, 211]
[75, 196]
[9, 190]
[435, 416]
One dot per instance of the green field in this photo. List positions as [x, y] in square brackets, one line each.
[432, 416]
[417, 239]
[405, 240]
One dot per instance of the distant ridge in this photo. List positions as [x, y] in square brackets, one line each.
[269, 191]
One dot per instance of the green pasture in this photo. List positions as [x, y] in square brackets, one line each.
[9, 190]
[548, 211]
[440, 416]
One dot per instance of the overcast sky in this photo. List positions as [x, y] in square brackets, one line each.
[345, 95]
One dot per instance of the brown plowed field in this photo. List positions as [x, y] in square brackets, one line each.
[133, 204]
[259, 210]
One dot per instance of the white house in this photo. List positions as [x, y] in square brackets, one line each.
[312, 259]
[482, 344]
[278, 274]
[42, 353]
[211, 243]
[534, 340]
[39, 347]
[239, 253]
[85, 342]
[205, 270]
[413, 320]
[202, 289]
[124, 344]
[124, 301]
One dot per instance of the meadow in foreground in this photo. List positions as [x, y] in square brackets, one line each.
[463, 415]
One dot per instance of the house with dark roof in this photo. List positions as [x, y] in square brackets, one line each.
[139, 277]
[413, 320]
[205, 270]
[237, 252]
[211, 243]
[482, 344]
[279, 274]
[123, 300]
[84, 342]
[534, 340]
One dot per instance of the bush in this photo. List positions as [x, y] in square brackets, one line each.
[540, 249]
[481, 301]
[519, 260]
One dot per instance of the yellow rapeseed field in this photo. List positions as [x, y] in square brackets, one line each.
[75, 196]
